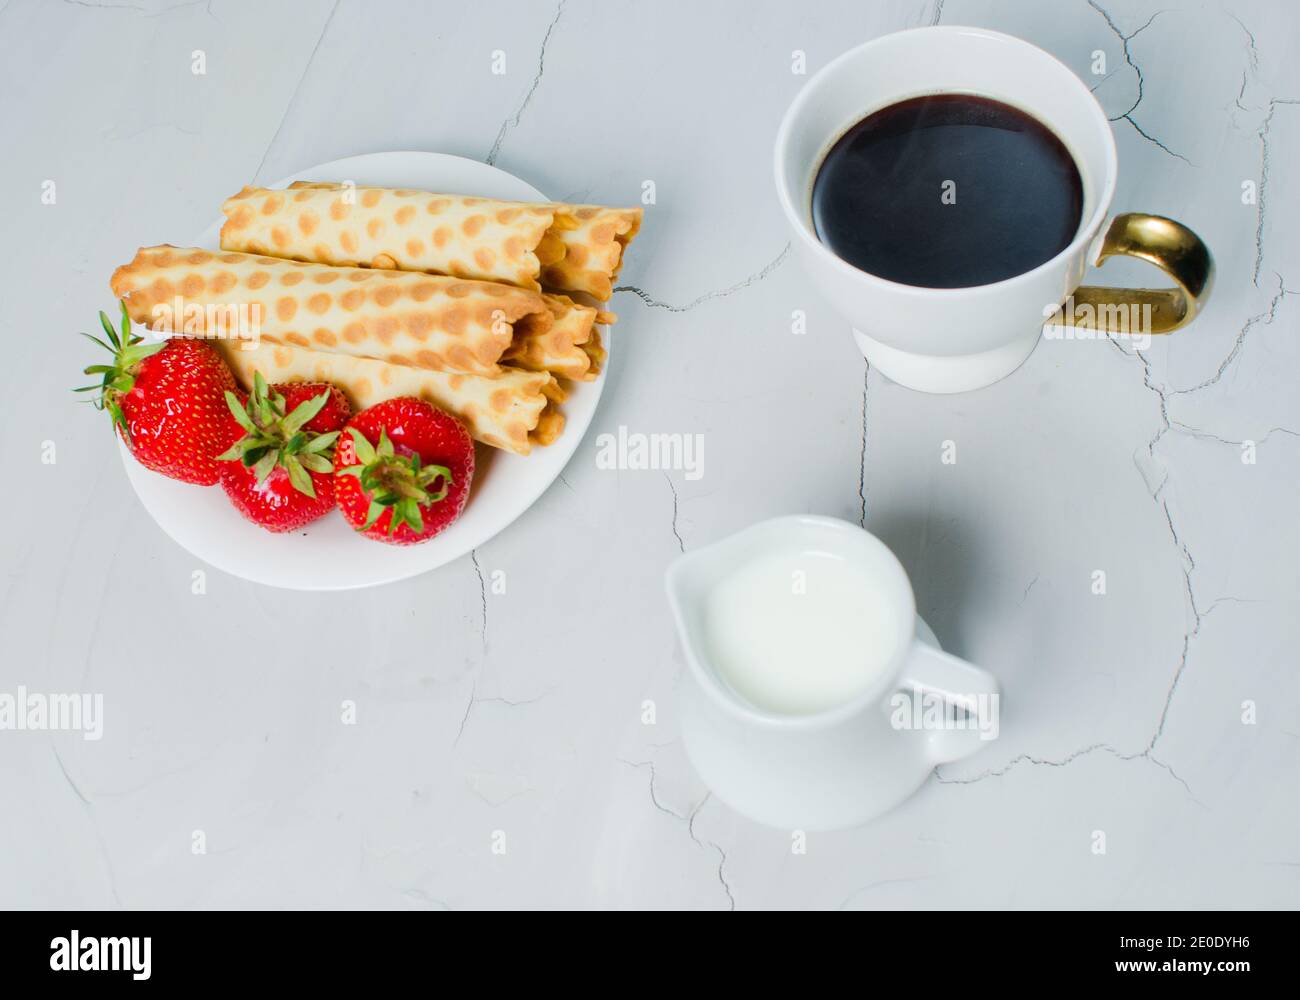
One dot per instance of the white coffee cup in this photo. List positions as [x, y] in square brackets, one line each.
[847, 762]
[956, 339]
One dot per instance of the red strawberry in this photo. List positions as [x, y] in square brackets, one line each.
[280, 473]
[166, 400]
[404, 469]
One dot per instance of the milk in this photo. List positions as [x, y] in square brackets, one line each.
[796, 631]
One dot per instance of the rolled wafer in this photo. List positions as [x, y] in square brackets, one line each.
[571, 248]
[595, 351]
[418, 320]
[567, 348]
[514, 410]
[594, 239]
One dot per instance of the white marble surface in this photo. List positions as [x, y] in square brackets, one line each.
[522, 712]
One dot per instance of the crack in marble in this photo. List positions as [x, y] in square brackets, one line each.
[1134, 34]
[1266, 318]
[1230, 600]
[1185, 554]
[757, 276]
[1252, 51]
[205, 4]
[689, 820]
[469, 707]
[938, 12]
[119, 541]
[76, 789]
[1128, 117]
[681, 545]
[1252, 63]
[496, 699]
[1178, 676]
[1164, 411]
[883, 882]
[1186, 558]
[513, 121]
[1093, 89]
[1200, 434]
[87, 808]
[296, 88]
[1069, 759]
[1128, 56]
[1262, 193]
[1025, 594]
[492, 803]
[1241, 92]
[482, 595]
[1141, 80]
[1188, 566]
[654, 795]
[151, 128]
[146, 11]
[105, 6]
[862, 455]
[420, 896]
[722, 855]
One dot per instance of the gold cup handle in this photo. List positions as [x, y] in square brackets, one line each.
[1170, 246]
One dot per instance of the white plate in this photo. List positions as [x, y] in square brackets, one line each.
[329, 555]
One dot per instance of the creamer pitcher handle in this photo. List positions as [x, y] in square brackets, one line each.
[972, 692]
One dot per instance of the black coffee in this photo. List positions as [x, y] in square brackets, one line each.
[947, 191]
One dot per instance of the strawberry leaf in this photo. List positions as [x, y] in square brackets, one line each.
[107, 324]
[99, 342]
[119, 419]
[411, 514]
[240, 414]
[365, 450]
[375, 512]
[304, 412]
[316, 463]
[265, 465]
[320, 443]
[119, 376]
[429, 475]
[252, 454]
[136, 352]
[299, 477]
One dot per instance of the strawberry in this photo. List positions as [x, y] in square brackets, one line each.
[166, 400]
[404, 469]
[279, 474]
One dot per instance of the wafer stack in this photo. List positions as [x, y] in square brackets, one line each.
[570, 248]
[478, 306]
